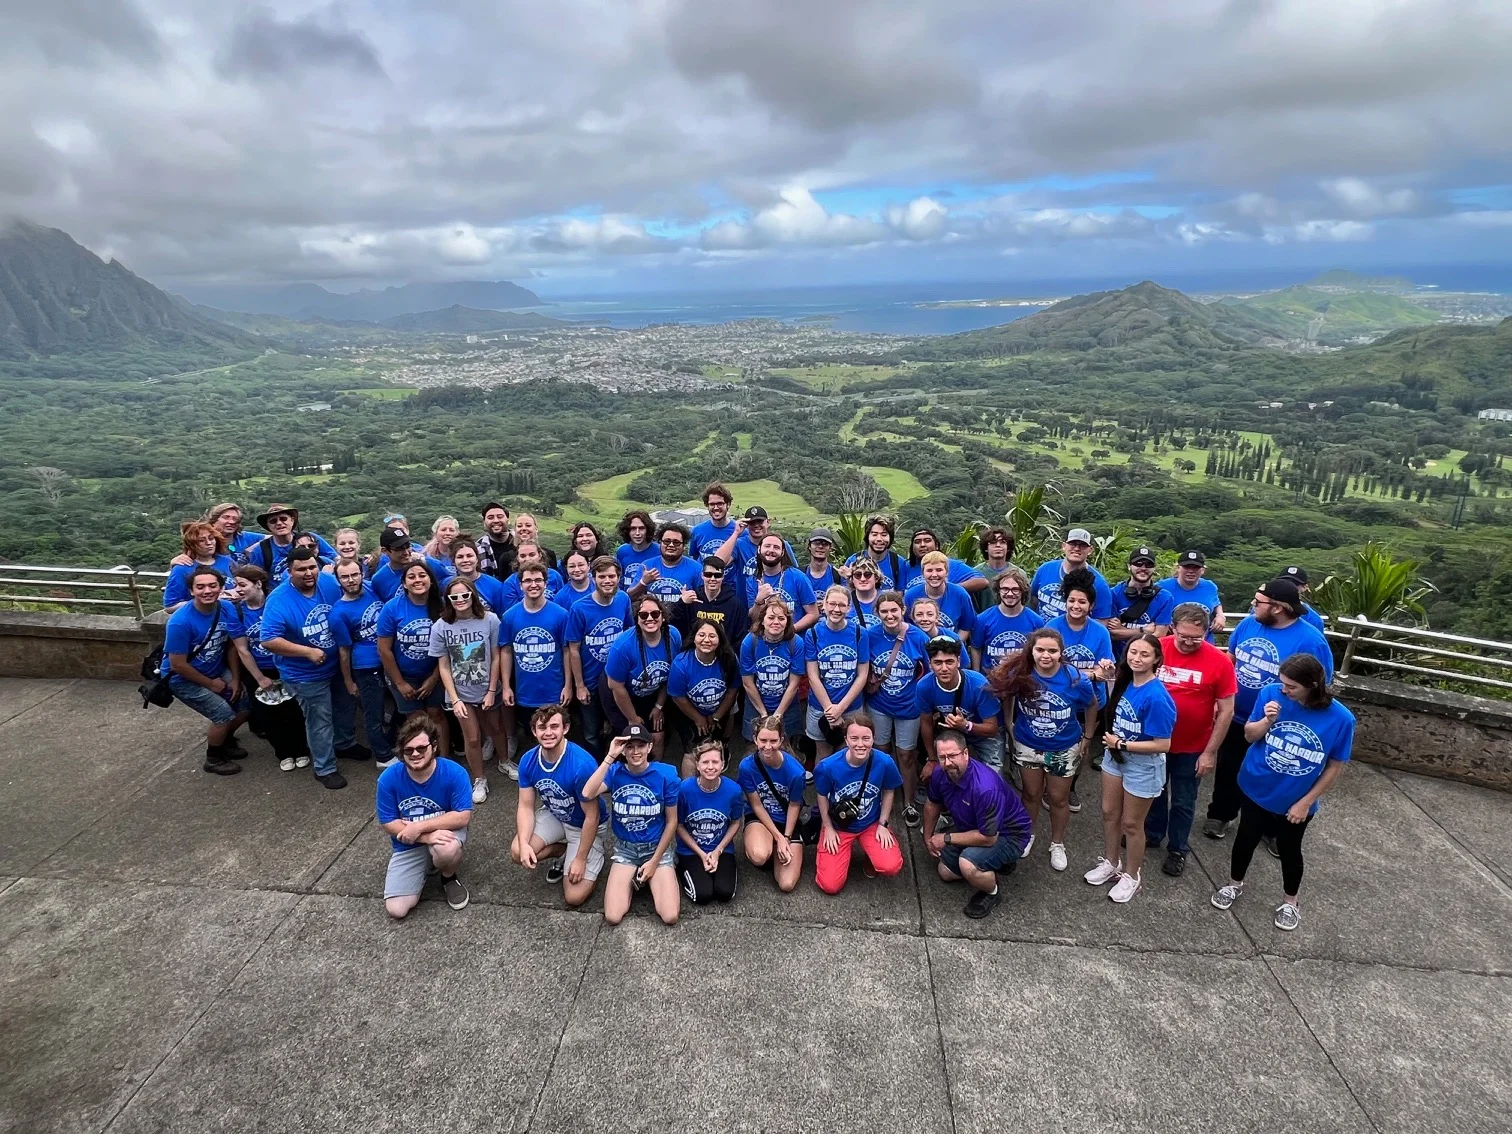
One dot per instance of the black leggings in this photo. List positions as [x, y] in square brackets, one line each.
[703, 887]
[1254, 822]
[1227, 798]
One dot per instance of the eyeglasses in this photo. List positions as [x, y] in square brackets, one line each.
[460, 596]
[417, 749]
[1011, 592]
[671, 543]
[649, 616]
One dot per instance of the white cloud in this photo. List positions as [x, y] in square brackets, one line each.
[1362, 199]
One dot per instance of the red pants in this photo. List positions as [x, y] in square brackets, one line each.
[831, 870]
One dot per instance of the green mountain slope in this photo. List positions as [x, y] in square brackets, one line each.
[58, 300]
[1465, 367]
[1303, 313]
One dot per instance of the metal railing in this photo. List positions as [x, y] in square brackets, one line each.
[26, 587]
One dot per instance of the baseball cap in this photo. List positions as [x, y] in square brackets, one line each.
[755, 512]
[635, 732]
[822, 533]
[1295, 574]
[1079, 535]
[1142, 555]
[392, 538]
[1189, 557]
[1285, 592]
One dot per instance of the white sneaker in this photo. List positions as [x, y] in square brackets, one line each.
[1057, 856]
[286, 764]
[1029, 846]
[301, 761]
[1125, 888]
[389, 763]
[510, 769]
[480, 789]
[488, 748]
[1103, 873]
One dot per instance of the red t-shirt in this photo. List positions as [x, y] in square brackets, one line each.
[1196, 682]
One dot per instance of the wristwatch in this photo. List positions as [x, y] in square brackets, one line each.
[947, 838]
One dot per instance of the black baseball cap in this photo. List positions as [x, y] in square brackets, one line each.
[756, 512]
[1295, 574]
[392, 538]
[1285, 592]
[1189, 557]
[635, 732]
[1142, 555]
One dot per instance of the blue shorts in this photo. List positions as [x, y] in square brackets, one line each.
[436, 699]
[638, 854]
[889, 731]
[997, 857]
[792, 720]
[207, 703]
[1143, 773]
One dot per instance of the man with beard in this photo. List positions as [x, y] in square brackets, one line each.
[1046, 585]
[496, 550]
[775, 573]
[1139, 606]
[354, 625]
[989, 826]
[1272, 632]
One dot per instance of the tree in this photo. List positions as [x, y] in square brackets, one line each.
[50, 481]
[1378, 587]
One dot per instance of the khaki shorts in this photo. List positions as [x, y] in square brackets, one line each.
[1063, 763]
[550, 829]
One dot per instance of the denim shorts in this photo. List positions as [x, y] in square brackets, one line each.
[792, 720]
[206, 702]
[436, 699]
[900, 731]
[999, 855]
[1143, 773]
[638, 854]
[1062, 763]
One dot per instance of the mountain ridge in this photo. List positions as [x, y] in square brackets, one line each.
[308, 300]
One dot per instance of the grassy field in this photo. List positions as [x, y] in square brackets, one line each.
[901, 486]
[836, 377]
[390, 393]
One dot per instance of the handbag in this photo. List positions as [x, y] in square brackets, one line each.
[155, 689]
[876, 680]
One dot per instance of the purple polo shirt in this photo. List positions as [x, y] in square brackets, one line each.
[982, 801]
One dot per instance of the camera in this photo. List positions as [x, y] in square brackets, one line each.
[846, 810]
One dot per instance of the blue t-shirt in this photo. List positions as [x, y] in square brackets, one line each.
[354, 623]
[957, 611]
[386, 581]
[974, 695]
[770, 664]
[625, 662]
[1084, 648]
[750, 557]
[824, 581]
[863, 614]
[707, 540]
[897, 695]
[559, 787]
[707, 815]
[409, 626]
[569, 596]
[305, 622]
[491, 591]
[633, 562]
[668, 587]
[595, 627]
[1145, 712]
[889, 568]
[1313, 619]
[1205, 593]
[1157, 613]
[704, 684]
[511, 592]
[1051, 719]
[957, 572]
[637, 804]
[251, 622]
[241, 543]
[187, 628]
[997, 635]
[539, 642]
[793, 585]
[1046, 587]
[790, 781]
[1282, 766]
[449, 788]
[176, 589]
[838, 654]
[1259, 651]
[836, 779]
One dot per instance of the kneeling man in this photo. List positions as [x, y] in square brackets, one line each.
[989, 826]
[551, 821]
[424, 803]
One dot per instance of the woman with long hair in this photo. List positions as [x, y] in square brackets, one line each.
[204, 546]
[710, 813]
[1053, 711]
[772, 668]
[404, 632]
[704, 683]
[774, 782]
[584, 537]
[637, 547]
[899, 657]
[634, 689]
[468, 564]
[281, 725]
[465, 643]
[1137, 727]
[348, 544]
[443, 532]
[1300, 739]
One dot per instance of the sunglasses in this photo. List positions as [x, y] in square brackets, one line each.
[713, 574]
[649, 616]
[460, 596]
[863, 574]
[671, 543]
[417, 749]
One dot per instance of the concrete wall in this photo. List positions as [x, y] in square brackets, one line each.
[73, 645]
[1430, 731]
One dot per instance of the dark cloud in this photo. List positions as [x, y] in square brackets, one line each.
[261, 46]
[78, 32]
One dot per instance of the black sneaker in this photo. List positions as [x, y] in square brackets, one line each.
[556, 870]
[1175, 864]
[456, 892]
[1215, 828]
[333, 780]
[1270, 845]
[910, 816]
[980, 904]
[1074, 801]
[217, 763]
[233, 749]
[355, 752]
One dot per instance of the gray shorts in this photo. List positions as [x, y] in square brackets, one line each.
[409, 868]
[900, 731]
[552, 830]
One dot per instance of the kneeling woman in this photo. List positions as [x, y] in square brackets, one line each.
[710, 810]
[643, 814]
[773, 782]
[856, 788]
[1300, 739]
[1138, 723]
[1054, 710]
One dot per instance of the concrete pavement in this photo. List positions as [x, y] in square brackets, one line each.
[181, 952]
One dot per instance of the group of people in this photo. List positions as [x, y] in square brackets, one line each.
[895, 685]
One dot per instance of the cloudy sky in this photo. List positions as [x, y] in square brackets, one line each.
[602, 145]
